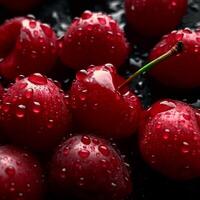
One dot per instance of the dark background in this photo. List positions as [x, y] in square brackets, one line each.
[148, 185]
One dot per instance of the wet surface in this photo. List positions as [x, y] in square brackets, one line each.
[147, 184]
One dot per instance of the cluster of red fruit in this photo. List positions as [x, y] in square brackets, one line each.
[36, 113]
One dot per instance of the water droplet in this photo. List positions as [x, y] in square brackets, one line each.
[187, 30]
[95, 141]
[32, 24]
[37, 79]
[185, 147]
[6, 107]
[113, 184]
[20, 111]
[66, 151]
[20, 77]
[82, 74]
[83, 153]
[36, 107]
[29, 93]
[102, 20]
[85, 140]
[10, 171]
[104, 150]
[50, 123]
[86, 15]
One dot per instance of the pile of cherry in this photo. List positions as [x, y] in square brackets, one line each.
[58, 142]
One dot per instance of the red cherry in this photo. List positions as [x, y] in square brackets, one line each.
[153, 18]
[26, 46]
[21, 175]
[175, 72]
[170, 139]
[88, 167]
[96, 39]
[98, 105]
[34, 113]
[20, 5]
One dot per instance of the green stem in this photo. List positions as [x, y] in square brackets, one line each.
[173, 51]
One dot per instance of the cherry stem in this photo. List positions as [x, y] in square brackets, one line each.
[173, 51]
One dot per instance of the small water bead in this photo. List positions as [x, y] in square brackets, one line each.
[36, 107]
[20, 111]
[187, 30]
[83, 153]
[50, 123]
[95, 141]
[185, 148]
[29, 93]
[20, 77]
[102, 20]
[104, 150]
[6, 107]
[86, 15]
[37, 79]
[10, 171]
[85, 140]
[113, 184]
[81, 75]
[66, 151]
[32, 24]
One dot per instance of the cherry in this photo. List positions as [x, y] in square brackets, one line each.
[102, 103]
[88, 167]
[21, 175]
[20, 5]
[180, 71]
[26, 46]
[94, 38]
[170, 139]
[98, 105]
[153, 18]
[35, 113]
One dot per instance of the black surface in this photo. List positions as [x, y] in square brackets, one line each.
[148, 185]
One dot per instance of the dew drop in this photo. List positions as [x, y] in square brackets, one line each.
[185, 148]
[6, 107]
[37, 79]
[36, 107]
[104, 150]
[86, 15]
[10, 171]
[29, 93]
[32, 24]
[20, 111]
[81, 75]
[83, 153]
[102, 20]
[85, 140]
[50, 123]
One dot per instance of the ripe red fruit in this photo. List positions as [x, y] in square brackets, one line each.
[170, 139]
[21, 175]
[34, 113]
[153, 18]
[20, 5]
[99, 106]
[96, 39]
[180, 71]
[26, 46]
[89, 168]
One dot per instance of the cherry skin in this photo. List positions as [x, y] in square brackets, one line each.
[21, 175]
[153, 18]
[88, 167]
[26, 46]
[93, 39]
[34, 113]
[20, 6]
[180, 71]
[170, 139]
[98, 106]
